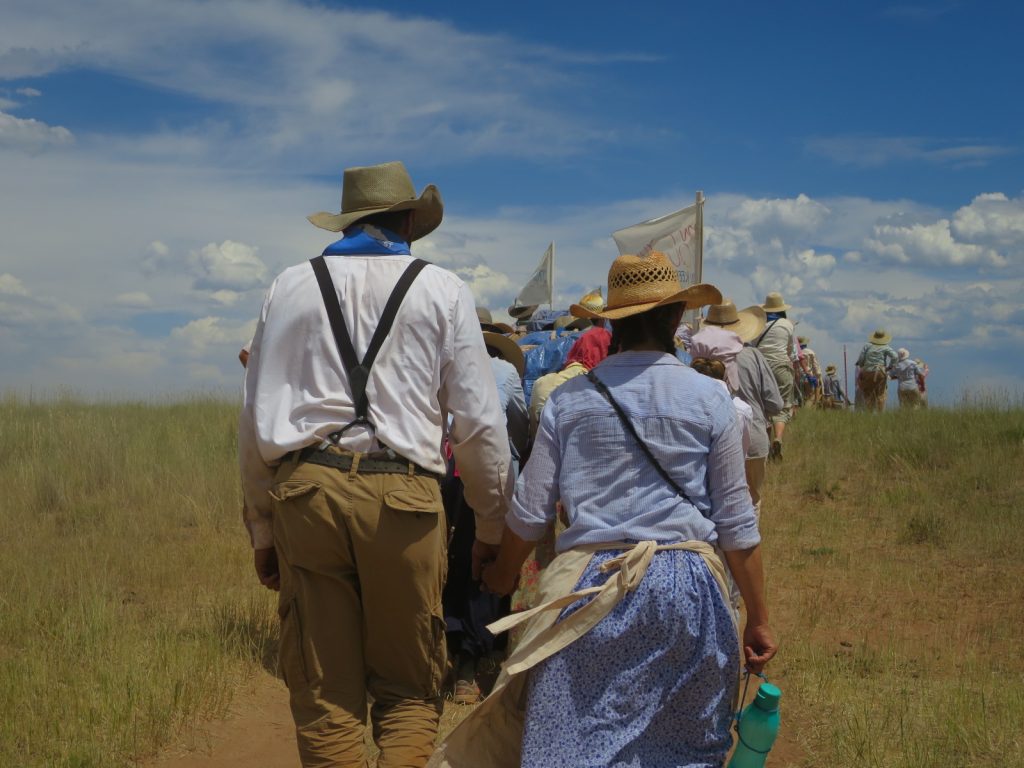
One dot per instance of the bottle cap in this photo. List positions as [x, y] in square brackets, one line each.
[768, 696]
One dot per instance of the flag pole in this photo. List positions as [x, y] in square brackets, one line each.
[700, 236]
[551, 277]
[846, 379]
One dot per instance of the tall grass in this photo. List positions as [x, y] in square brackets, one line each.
[895, 547]
[126, 603]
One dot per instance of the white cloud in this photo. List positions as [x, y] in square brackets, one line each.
[992, 219]
[30, 135]
[12, 286]
[30, 92]
[878, 151]
[134, 300]
[197, 337]
[929, 245]
[486, 283]
[229, 266]
[800, 213]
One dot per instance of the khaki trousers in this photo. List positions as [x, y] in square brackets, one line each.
[875, 387]
[910, 398]
[783, 371]
[363, 562]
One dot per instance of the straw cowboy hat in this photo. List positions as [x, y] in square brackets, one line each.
[745, 323]
[880, 337]
[830, 368]
[507, 350]
[522, 313]
[804, 341]
[382, 189]
[774, 302]
[487, 322]
[593, 301]
[637, 284]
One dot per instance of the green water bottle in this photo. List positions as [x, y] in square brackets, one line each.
[756, 728]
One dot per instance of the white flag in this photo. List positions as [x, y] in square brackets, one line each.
[678, 235]
[538, 288]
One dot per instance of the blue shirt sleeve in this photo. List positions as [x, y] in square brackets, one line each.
[537, 491]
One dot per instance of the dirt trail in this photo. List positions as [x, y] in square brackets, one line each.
[259, 731]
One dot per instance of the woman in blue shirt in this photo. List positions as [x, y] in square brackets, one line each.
[649, 495]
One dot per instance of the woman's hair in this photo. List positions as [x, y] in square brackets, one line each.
[653, 325]
[713, 368]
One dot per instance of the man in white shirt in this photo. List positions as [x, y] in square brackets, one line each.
[340, 469]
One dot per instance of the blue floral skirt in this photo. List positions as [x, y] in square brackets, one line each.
[651, 686]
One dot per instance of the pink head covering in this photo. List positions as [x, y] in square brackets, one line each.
[590, 348]
[716, 343]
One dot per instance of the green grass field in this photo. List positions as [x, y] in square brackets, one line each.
[894, 543]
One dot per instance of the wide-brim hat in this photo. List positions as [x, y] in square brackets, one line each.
[383, 188]
[507, 350]
[523, 312]
[880, 337]
[745, 323]
[774, 302]
[639, 283]
[502, 328]
[830, 369]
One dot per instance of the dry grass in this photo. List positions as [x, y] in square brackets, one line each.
[894, 543]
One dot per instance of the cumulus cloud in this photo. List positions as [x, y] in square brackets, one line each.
[929, 244]
[992, 219]
[134, 300]
[800, 213]
[230, 266]
[32, 136]
[197, 337]
[29, 92]
[12, 286]
[486, 283]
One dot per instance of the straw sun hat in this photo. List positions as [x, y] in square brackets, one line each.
[745, 323]
[880, 337]
[774, 302]
[507, 350]
[638, 283]
[382, 189]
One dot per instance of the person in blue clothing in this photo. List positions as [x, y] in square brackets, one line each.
[644, 456]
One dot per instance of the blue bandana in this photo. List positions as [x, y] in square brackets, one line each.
[364, 240]
[774, 315]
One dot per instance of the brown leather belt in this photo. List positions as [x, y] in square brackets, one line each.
[369, 463]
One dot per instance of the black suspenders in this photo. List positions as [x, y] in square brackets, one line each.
[359, 372]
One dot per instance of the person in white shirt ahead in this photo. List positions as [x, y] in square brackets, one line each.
[344, 509]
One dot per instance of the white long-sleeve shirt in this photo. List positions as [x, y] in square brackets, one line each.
[432, 363]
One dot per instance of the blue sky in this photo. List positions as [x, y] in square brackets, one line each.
[159, 159]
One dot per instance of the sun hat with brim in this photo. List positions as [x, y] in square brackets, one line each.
[522, 312]
[774, 302]
[880, 337]
[639, 283]
[383, 188]
[830, 369]
[745, 323]
[507, 350]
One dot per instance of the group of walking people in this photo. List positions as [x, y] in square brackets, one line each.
[878, 363]
[370, 381]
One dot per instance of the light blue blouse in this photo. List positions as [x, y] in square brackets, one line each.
[584, 457]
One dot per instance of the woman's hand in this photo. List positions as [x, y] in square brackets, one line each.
[759, 646]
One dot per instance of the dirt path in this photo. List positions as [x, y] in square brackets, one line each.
[258, 731]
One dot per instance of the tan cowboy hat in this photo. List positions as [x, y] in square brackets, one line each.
[880, 337]
[593, 301]
[638, 283]
[745, 323]
[507, 350]
[804, 341]
[774, 302]
[487, 322]
[523, 313]
[830, 368]
[382, 189]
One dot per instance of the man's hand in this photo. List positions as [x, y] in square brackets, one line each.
[499, 582]
[266, 568]
[759, 646]
[482, 554]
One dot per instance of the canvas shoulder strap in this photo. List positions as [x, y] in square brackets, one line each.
[765, 332]
[606, 393]
[359, 371]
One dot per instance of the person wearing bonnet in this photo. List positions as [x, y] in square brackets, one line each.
[634, 637]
